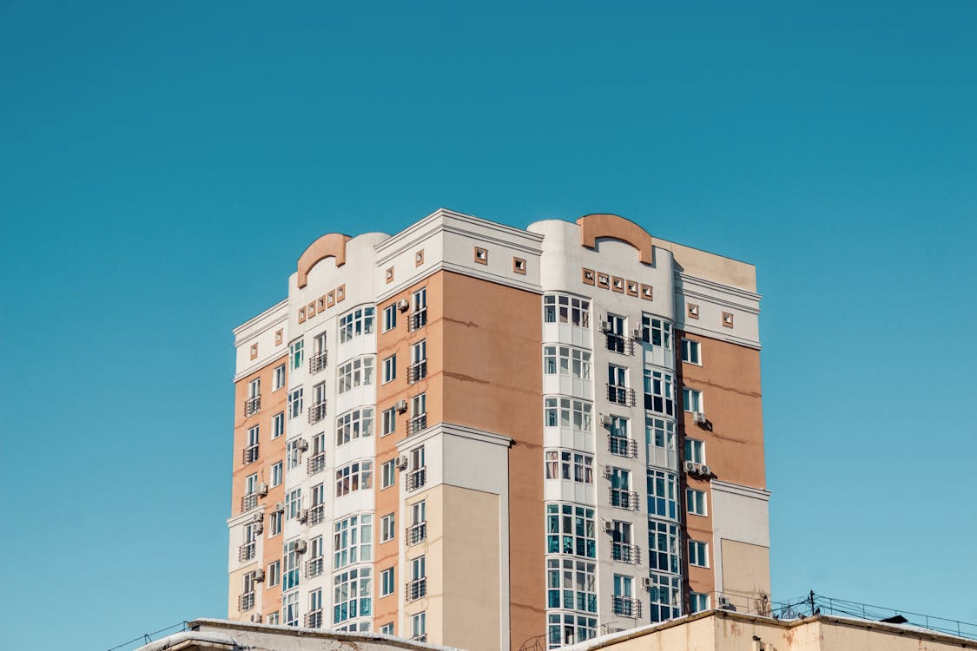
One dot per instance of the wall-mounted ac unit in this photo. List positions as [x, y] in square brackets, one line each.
[608, 526]
[299, 546]
[402, 462]
[262, 489]
[606, 420]
[302, 445]
[258, 527]
[699, 418]
[646, 582]
[258, 517]
[605, 326]
[403, 305]
[401, 406]
[608, 472]
[259, 575]
[279, 506]
[303, 515]
[636, 333]
[256, 618]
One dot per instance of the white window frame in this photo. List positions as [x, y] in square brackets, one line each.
[568, 413]
[695, 450]
[696, 502]
[278, 377]
[388, 585]
[390, 317]
[388, 423]
[569, 465]
[295, 401]
[389, 369]
[692, 352]
[698, 553]
[698, 602]
[277, 474]
[274, 573]
[353, 477]
[354, 424]
[388, 528]
[352, 540]
[355, 373]
[388, 474]
[356, 323]
[563, 308]
[566, 361]
[296, 354]
[692, 400]
[278, 425]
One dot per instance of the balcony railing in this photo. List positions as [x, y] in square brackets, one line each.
[252, 406]
[417, 320]
[317, 513]
[416, 589]
[250, 454]
[620, 395]
[246, 552]
[416, 533]
[313, 567]
[317, 412]
[627, 607]
[416, 371]
[417, 424]
[317, 362]
[313, 619]
[416, 478]
[249, 501]
[620, 344]
[623, 446]
[245, 602]
[316, 463]
[625, 552]
[623, 498]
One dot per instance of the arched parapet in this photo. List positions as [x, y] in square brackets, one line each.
[330, 245]
[618, 228]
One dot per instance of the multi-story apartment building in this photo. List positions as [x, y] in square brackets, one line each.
[478, 435]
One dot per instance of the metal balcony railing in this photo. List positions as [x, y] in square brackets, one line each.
[245, 602]
[417, 320]
[623, 446]
[317, 412]
[416, 478]
[246, 551]
[620, 395]
[313, 567]
[250, 454]
[313, 619]
[416, 533]
[252, 406]
[627, 607]
[417, 424]
[317, 362]
[316, 463]
[416, 589]
[625, 552]
[623, 498]
[317, 513]
[249, 501]
[416, 371]
[620, 344]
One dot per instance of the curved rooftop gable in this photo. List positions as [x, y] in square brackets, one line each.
[618, 228]
[330, 245]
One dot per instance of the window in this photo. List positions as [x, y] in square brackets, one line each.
[352, 540]
[567, 361]
[296, 353]
[418, 362]
[274, 574]
[278, 378]
[698, 553]
[663, 546]
[617, 376]
[560, 308]
[564, 629]
[659, 394]
[353, 425]
[419, 300]
[313, 619]
[388, 474]
[389, 369]
[615, 329]
[273, 618]
[623, 589]
[619, 441]
[571, 584]
[290, 560]
[251, 449]
[418, 512]
[292, 454]
[695, 451]
[351, 594]
[387, 585]
[481, 255]
[388, 629]
[355, 323]
[356, 373]
[621, 496]
[696, 501]
[290, 608]
[566, 412]
[570, 530]
[418, 405]
[387, 531]
[665, 597]
[254, 388]
[418, 576]
[278, 424]
[275, 523]
[276, 474]
[691, 352]
[418, 627]
[251, 484]
[698, 602]
[692, 399]
[659, 435]
[353, 477]
[295, 404]
[390, 317]
[662, 498]
[388, 421]
[293, 503]
[656, 332]
[572, 466]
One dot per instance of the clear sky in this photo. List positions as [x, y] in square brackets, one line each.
[163, 165]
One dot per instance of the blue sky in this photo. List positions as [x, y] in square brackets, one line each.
[162, 166]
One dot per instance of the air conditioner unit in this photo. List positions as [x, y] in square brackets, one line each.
[689, 466]
[704, 469]
[608, 526]
[401, 406]
[303, 515]
[256, 618]
[258, 517]
[646, 582]
[699, 418]
[402, 462]
[608, 472]
[636, 333]
[262, 489]
[606, 420]
[605, 326]
[258, 527]
[403, 305]
[259, 575]
[724, 603]
[279, 506]
[299, 546]
[302, 445]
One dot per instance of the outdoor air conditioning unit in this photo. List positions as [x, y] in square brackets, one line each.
[401, 406]
[605, 326]
[636, 333]
[299, 546]
[704, 469]
[279, 506]
[646, 582]
[402, 462]
[403, 304]
[608, 526]
[606, 420]
[303, 515]
[302, 445]
[256, 618]
[259, 575]
[258, 517]
[258, 527]
[262, 489]
[699, 418]
[608, 472]
[724, 603]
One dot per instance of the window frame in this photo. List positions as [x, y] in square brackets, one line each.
[692, 348]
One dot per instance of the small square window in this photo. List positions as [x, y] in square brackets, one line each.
[389, 275]
[646, 292]
[604, 281]
[279, 337]
[481, 255]
[519, 266]
[254, 351]
[692, 310]
[320, 304]
[589, 278]
[419, 258]
[301, 315]
[310, 310]
[632, 288]
[617, 284]
[341, 293]
[330, 298]
[727, 320]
